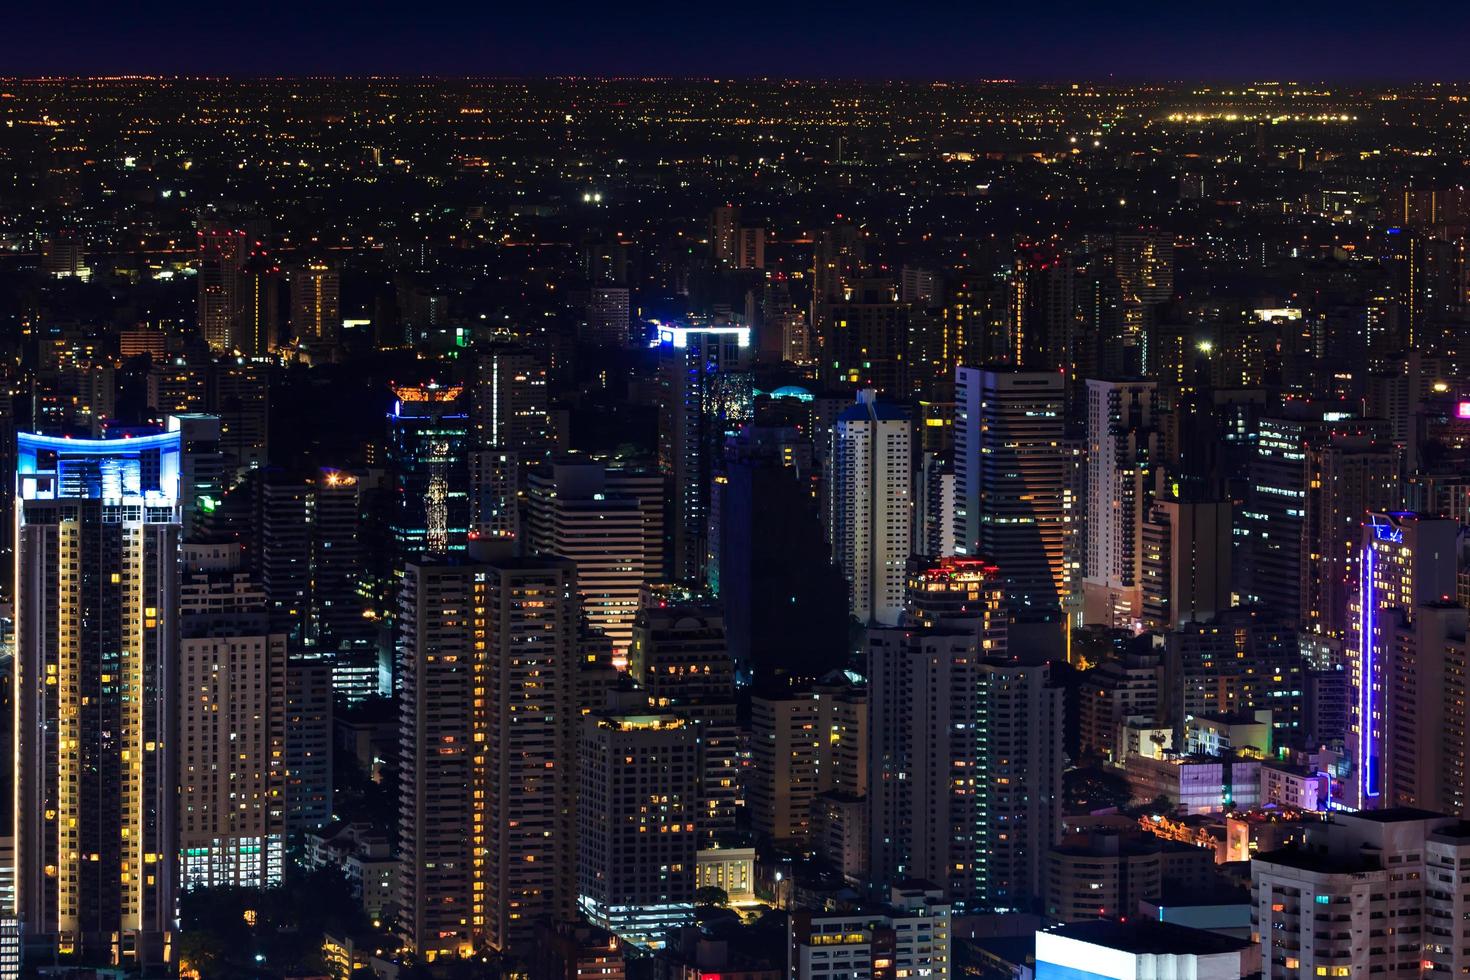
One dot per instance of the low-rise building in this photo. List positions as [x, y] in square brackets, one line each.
[909, 937]
[1139, 948]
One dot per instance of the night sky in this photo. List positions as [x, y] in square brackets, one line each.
[1021, 39]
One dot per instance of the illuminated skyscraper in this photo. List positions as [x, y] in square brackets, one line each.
[1407, 561]
[428, 453]
[316, 303]
[704, 391]
[488, 731]
[574, 514]
[637, 810]
[1123, 444]
[258, 322]
[96, 649]
[1013, 501]
[965, 745]
[872, 454]
[232, 727]
[223, 249]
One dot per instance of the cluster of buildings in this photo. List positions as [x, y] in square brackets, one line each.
[686, 576]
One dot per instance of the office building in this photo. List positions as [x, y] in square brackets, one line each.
[703, 393]
[428, 455]
[1271, 527]
[1013, 503]
[96, 637]
[573, 513]
[872, 459]
[487, 647]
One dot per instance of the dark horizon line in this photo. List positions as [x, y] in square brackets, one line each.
[936, 80]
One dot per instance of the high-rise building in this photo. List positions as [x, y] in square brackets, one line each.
[703, 392]
[1406, 561]
[309, 696]
[786, 603]
[1186, 561]
[1122, 451]
[965, 766]
[232, 727]
[680, 658]
[283, 552]
[636, 813]
[574, 514]
[488, 715]
[1013, 502]
[608, 322]
[316, 303]
[428, 454]
[223, 250]
[1347, 477]
[724, 232]
[1044, 327]
[257, 328]
[201, 468]
[872, 460]
[1323, 909]
[805, 742]
[1242, 660]
[869, 340]
[240, 396]
[1271, 529]
[337, 553]
[97, 721]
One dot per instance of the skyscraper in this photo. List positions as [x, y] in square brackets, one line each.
[428, 453]
[488, 649]
[703, 392]
[636, 815]
[1407, 561]
[316, 303]
[608, 324]
[574, 514]
[96, 648]
[872, 459]
[223, 249]
[232, 727]
[1013, 502]
[679, 656]
[786, 603]
[1122, 450]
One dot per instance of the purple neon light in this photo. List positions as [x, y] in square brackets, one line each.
[1366, 618]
